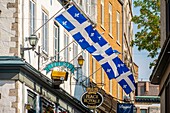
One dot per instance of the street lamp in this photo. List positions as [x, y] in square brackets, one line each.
[80, 60]
[33, 39]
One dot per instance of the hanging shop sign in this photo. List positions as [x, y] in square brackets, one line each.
[124, 108]
[67, 65]
[92, 98]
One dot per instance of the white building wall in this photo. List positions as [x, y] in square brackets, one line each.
[6, 32]
[7, 98]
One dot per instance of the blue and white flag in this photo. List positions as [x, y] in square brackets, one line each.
[78, 26]
[125, 78]
[104, 54]
[89, 38]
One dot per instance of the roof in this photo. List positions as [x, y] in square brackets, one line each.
[152, 99]
[162, 63]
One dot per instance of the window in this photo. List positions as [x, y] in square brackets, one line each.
[142, 90]
[118, 91]
[93, 69]
[84, 64]
[44, 32]
[31, 99]
[110, 18]
[143, 111]
[110, 86]
[102, 72]
[88, 7]
[75, 53]
[80, 2]
[102, 12]
[51, 2]
[118, 26]
[32, 17]
[56, 42]
[46, 106]
[66, 50]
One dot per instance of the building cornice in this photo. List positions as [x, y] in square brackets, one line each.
[18, 69]
[162, 63]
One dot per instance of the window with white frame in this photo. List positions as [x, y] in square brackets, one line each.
[80, 2]
[118, 91]
[88, 7]
[32, 17]
[110, 18]
[31, 100]
[102, 12]
[75, 53]
[44, 32]
[94, 69]
[102, 77]
[66, 50]
[143, 110]
[56, 41]
[110, 86]
[84, 64]
[118, 26]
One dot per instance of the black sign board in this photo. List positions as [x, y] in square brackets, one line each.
[124, 108]
[92, 100]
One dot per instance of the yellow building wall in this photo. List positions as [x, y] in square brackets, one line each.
[116, 6]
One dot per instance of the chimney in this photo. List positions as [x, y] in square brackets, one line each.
[147, 86]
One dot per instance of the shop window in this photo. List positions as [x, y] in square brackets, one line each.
[31, 100]
[143, 111]
[46, 106]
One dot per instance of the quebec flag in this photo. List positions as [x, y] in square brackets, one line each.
[78, 26]
[89, 39]
[125, 78]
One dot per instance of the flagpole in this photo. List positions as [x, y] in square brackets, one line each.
[91, 74]
[52, 17]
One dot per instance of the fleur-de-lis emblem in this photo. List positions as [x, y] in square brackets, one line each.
[122, 65]
[81, 40]
[124, 86]
[92, 34]
[76, 14]
[99, 37]
[64, 23]
[108, 70]
[118, 65]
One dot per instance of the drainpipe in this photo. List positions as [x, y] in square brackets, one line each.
[122, 30]
[23, 85]
[122, 33]
[22, 23]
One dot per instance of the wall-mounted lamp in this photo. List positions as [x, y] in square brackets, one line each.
[58, 78]
[80, 60]
[33, 39]
[28, 106]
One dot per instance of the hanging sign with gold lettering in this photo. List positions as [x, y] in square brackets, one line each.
[92, 98]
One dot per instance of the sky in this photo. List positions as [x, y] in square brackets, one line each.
[140, 57]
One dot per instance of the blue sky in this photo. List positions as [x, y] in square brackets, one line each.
[140, 57]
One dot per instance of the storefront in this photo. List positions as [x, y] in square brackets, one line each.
[30, 91]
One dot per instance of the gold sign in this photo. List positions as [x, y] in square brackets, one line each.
[92, 98]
